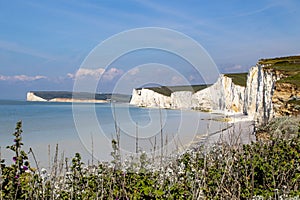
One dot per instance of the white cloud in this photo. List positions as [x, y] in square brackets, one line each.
[21, 78]
[134, 71]
[96, 73]
[83, 73]
[112, 73]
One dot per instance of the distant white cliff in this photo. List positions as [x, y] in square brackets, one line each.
[224, 95]
[148, 98]
[32, 97]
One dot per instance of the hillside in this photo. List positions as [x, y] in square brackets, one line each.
[66, 96]
[238, 78]
[289, 67]
[168, 90]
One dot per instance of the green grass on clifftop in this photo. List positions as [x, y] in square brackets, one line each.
[280, 60]
[288, 66]
[238, 78]
[168, 90]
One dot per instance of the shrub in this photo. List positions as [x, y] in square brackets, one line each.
[263, 169]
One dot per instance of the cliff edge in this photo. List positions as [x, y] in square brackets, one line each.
[80, 97]
[224, 95]
[271, 88]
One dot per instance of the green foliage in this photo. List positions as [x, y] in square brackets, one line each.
[20, 182]
[289, 67]
[293, 79]
[280, 60]
[15, 174]
[168, 90]
[268, 169]
[295, 102]
[238, 78]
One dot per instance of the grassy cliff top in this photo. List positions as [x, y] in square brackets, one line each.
[238, 78]
[168, 90]
[280, 60]
[288, 66]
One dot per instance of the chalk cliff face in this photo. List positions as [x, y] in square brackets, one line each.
[266, 97]
[263, 98]
[224, 95]
[259, 92]
[182, 100]
[149, 98]
[32, 97]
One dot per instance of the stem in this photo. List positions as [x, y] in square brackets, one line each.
[137, 139]
[92, 149]
[49, 158]
[161, 138]
[34, 158]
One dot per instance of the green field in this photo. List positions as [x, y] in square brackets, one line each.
[168, 90]
[289, 66]
[238, 78]
[280, 60]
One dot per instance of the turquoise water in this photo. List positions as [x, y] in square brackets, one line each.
[92, 128]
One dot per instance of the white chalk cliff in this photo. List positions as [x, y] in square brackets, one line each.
[148, 98]
[258, 94]
[255, 100]
[224, 95]
[32, 97]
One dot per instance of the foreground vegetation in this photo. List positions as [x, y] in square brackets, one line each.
[268, 168]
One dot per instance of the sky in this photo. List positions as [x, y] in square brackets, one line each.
[44, 43]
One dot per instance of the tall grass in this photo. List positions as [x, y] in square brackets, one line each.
[268, 168]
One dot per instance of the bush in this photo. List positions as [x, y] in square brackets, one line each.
[263, 169]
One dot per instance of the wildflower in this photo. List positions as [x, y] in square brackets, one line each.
[24, 167]
[44, 174]
[14, 159]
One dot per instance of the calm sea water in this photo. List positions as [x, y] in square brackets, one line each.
[89, 128]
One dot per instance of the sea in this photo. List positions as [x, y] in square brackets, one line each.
[59, 130]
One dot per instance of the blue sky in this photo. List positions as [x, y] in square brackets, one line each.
[43, 43]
